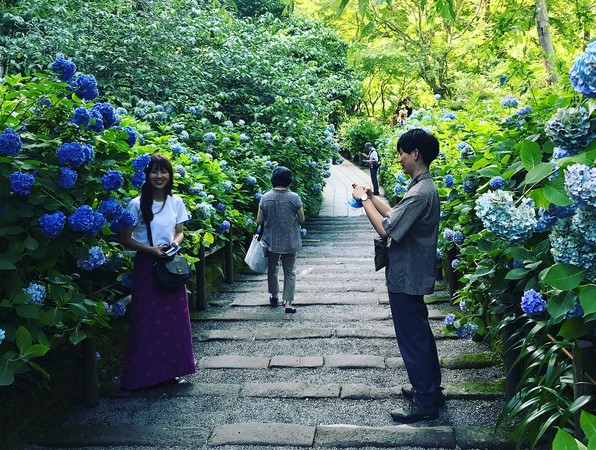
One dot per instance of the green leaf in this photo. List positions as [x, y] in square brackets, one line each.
[564, 441]
[23, 339]
[588, 424]
[555, 192]
[77, 336]
[517, 274]
[560, 304]
[587, 298]
[530, 154]
[31, 243]
[35, 350]
[6, 374]
[563, 276]
[30, 311]
[574, 328]
[6, 265]
[538, 173]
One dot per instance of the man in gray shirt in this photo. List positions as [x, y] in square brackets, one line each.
[412, 226]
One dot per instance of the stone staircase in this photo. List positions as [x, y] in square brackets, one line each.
[326, 377]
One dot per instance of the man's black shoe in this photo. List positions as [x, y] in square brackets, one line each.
[414, 413]
[408, 392]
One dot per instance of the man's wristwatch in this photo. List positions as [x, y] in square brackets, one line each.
[364, 197]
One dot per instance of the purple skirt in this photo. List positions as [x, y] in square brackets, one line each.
[159, 344]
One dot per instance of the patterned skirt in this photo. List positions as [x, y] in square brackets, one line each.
[159, 344]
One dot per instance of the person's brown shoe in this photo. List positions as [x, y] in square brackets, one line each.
[408, 392]
[414, 413]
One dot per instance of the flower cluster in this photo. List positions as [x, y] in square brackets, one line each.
[499, 215]
[204, 210]
[582, 74]
[450, 319]
[548, 217]
[225, 226]
[576, 311]
[465, 150]
[449, 181]
[85, 86]
[2, 335]
[524, 111]
[570, 129]
[532, 302]
[229, 124]
[447, 116]
[68, 177]
[86, 221]
[399, 189]
[64, 68]
[74, 154]
[572, 241]
[454, 263]
[316, 188]
[220, 207]
[117, 309]
[37, 293]
[466, 331]
[496, 183]
[509, 102]
[113, 180]
[580, 184]
[10, 142]
[250, 180]
[21, 183]
[95, 258]
[52, 224]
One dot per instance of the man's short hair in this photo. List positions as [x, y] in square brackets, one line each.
[281, 177]
[417, 138]
[368, 145]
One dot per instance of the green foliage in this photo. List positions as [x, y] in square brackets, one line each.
[358, 131]
[565, 441]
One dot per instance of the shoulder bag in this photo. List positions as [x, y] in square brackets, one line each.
[172, 272]
[381, 253]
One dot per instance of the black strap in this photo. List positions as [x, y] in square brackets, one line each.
[149, 233]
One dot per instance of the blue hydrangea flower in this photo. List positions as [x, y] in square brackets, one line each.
[113, 180]
[547, 218]
[52, 224]
[111, 209]
[400, 177]
[454, 263]
[227, 186]
[243, 137]
[448, 116]
[184, 136]
[439, 255]
[510, 102]
[570, 128]
[81, 116]
[496, 183]
[399, 189]
[2, 335]
[68, 177]
[180, 170]
[250, 180]
[449, 181]
[141, 161]
[458, 237]
[220, 207]
[95, 258]
[117, 309]
[108, 114]
[225, 226]
[37, 292]
[517, 264]
[85, 86]
[268, 136]
[582, 74]
[126, 220]
[450, 319]
[500, 216]
[209, 138]
[86, 221]
[138, 179]
[584, 222]
[192, 110]
[576, 311]
[21, 183]
[229, 124]
[580, 184]
[258, 195]
[466, 331]
[316, 188]
[132, 136]
[532, 302]
[470, 184]
[95, 121]
[572, 242]
[462, 305]
[204, 210]
[502, 79]
[176, 147]
[437, 96]
[74, 154]
[465, 150]
[448, 235]
[10, 142]
[354, 203]
[524, 111]
[64, 68]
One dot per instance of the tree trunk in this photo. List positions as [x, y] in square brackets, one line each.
[546, 43]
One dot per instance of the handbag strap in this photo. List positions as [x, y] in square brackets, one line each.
[149, 235]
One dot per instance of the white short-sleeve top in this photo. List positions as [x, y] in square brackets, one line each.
[164, 222]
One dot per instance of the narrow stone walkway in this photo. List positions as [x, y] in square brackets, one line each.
[326, 377]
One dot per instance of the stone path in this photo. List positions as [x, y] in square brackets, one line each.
[326, 377]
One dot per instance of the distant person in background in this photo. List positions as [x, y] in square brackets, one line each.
[372, 158]
[408, 102]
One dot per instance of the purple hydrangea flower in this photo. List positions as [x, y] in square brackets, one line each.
[64, 68]
[532, 302]
[95, 258]
[10, 142]
[68, 177]
[52, 224]
[113, 180]
[524, 111]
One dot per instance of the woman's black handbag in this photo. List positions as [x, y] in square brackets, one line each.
[172, 272]
[381, 253]
[169, 273]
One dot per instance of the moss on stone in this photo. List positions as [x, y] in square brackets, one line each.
[470, 361]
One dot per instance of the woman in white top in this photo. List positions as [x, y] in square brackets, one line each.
[159, 339]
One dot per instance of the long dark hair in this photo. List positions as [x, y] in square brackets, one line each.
[156, 162]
